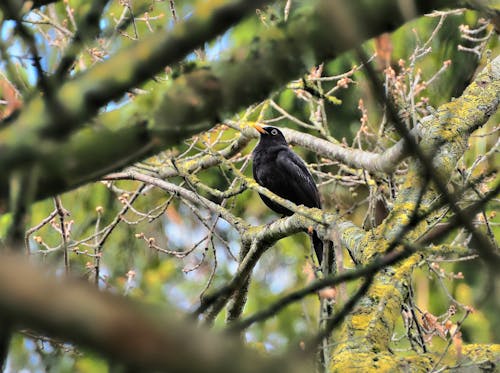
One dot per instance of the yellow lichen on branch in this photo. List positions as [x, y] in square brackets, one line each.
[367, 331]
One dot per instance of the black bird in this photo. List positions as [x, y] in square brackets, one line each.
[279, 169]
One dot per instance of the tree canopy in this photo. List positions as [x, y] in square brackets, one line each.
[130, 222]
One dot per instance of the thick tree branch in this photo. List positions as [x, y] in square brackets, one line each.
[445, 137]
[194, 101]
[142, 339]
[444, 141]
[78, 100]
[385, 162]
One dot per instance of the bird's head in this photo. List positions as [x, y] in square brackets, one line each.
[270, 134]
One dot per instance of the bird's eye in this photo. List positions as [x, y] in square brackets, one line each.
[274, 132]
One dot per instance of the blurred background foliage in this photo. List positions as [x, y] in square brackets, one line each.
[129, 266]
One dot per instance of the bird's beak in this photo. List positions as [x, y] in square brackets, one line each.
[258, 127]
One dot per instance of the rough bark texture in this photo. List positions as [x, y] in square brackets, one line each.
[367, 331]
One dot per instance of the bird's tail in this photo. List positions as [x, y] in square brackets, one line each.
[318, 246]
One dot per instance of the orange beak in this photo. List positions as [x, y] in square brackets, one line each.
[258, 127]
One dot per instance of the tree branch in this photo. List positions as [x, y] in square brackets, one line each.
[122, 330]
[194, 101]
[385, 162]
[78, 100]
[236, 222]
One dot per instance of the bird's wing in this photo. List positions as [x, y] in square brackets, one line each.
[301, 184]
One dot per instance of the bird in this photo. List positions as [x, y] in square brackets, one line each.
[279, 169]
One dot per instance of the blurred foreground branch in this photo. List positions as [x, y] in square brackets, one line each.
[193, 103]
[122, 330]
